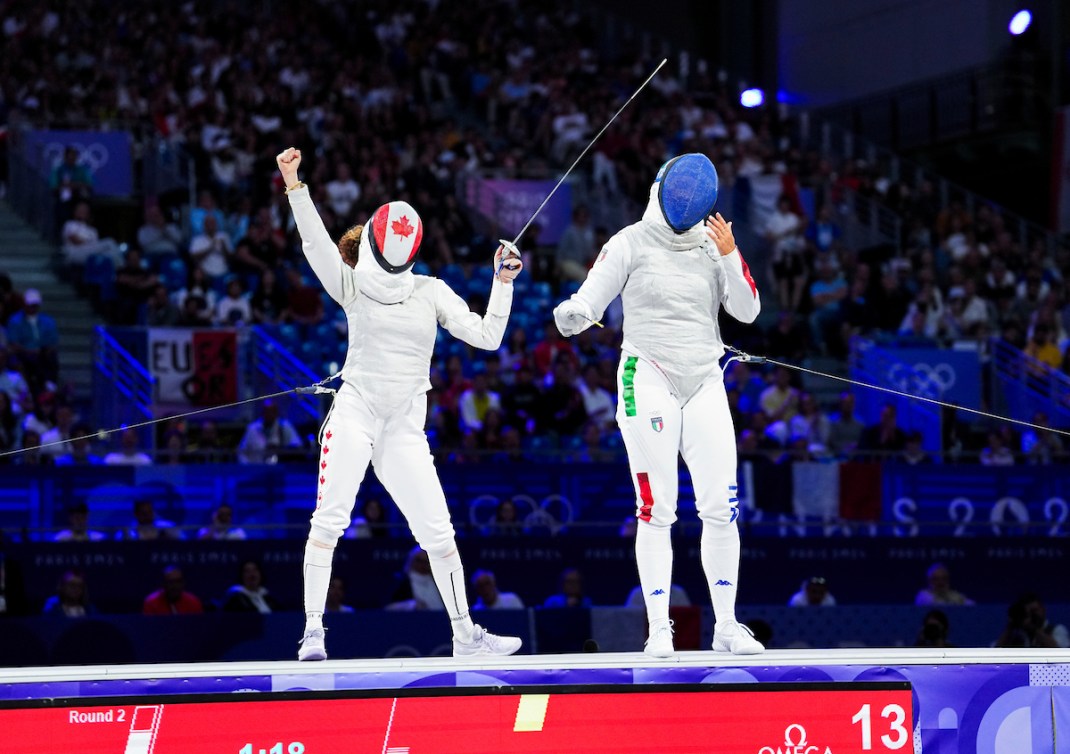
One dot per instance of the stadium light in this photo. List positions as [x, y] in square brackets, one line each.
[751, 98]
[1020, 22]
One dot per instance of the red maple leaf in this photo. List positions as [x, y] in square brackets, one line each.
[328, 434]
[402, 227]
[323, 464]
[323, 479]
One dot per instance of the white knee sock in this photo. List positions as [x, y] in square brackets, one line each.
[720, 561]
[317, 572]
[449, 578]
[653, 556]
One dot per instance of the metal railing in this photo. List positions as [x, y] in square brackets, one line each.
[1023, 386]
[273, 368]
[123, 389]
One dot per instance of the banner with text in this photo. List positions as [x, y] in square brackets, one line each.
[105, 153]
[511, 203]
[193, 367]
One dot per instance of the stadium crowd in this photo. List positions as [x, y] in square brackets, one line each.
[414, 99]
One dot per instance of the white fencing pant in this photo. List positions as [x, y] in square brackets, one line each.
[396, 446]
[657, 428]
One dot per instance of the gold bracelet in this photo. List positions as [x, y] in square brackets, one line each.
[298, 185]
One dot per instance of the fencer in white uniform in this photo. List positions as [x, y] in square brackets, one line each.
[379, 412]
[674, 270]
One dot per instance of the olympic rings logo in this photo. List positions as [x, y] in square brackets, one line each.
[554, 512]
[94, 156]
[922, 379]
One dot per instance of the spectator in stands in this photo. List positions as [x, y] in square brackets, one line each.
[550, 349]
[814, 592]
[129, 453]
[521, 400]
[571, 594]
[72, 597]
[13, 380]
[206, 207]
[1040, 447]
[912, 454]
[147, 526]
[514, 353]
[783, 231]
[476, 402]
[561, 411]
[250, 595]
[70, 181]
[211, 249]
[81, 240]
[488, 597]
[823, 231]
[742, 380]
[54, 440]
[845, 430]
[234, 309]
[10, 301]
[589, 447]
[160, 311]
[157, 236]
[939, 591]
[598, 402]
[31, 454]
[1028, 626]
[222, 526]
[884, 437]
[996, 453]
[269, 299]
[336, 595]
[371, 523]
[78, 526]
[827, 293]
[576, 250]
[967, 314]
[890, 301]
[198, 288]
[207, 446]
[33, 337]
[506, 520]
[193, 313]
[134, 283]
[80, 449]
[304, 306]
[780, 401]
[342, 191]
[268, 437]
[1043, 348]
[416, 588]
[172, 598]
[258, 251]
[935, 628]
[810, 423]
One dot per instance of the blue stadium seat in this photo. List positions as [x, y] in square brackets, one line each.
[310, 352]
[289, 335]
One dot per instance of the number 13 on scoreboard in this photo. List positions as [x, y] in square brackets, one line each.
[897, 735]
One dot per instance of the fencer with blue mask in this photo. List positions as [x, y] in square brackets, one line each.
[674, 270]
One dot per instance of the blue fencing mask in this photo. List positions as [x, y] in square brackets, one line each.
[687, 190]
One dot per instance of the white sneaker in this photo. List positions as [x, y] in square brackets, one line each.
[736, 638]
[485, 643]
[659, 644]
[312, 645]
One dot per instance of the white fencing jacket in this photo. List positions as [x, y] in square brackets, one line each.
[672, 287]
[392, 318]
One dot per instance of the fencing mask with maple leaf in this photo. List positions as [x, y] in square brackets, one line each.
[394, 233]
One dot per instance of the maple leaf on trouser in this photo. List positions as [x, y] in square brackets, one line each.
[402, 227]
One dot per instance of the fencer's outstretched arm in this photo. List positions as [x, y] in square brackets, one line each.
[461, 322]
[604, 283]
[484, 332]
[320, 251]
[739, 293]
